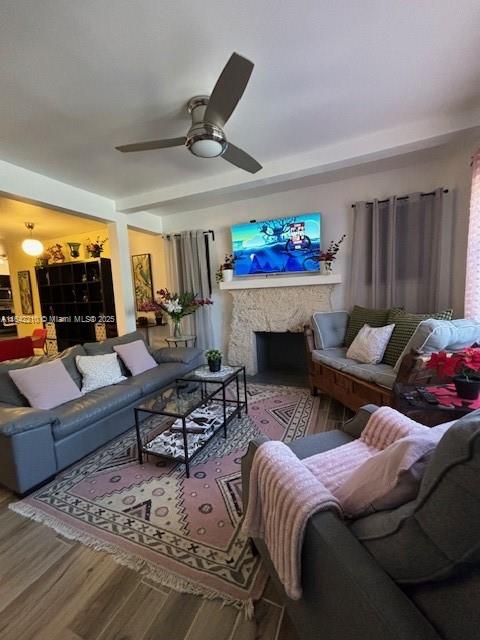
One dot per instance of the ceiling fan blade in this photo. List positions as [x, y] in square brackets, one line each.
[241, 159]
[153, 144]
[228, 90]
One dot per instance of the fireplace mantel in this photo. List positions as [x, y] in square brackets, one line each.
[268, 282]
[279, 305]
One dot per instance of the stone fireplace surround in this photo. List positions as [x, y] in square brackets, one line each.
[274, 304]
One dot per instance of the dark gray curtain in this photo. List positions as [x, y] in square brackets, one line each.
[402, 253]
[188, 267]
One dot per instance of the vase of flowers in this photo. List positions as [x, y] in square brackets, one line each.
[214, 359]
[179, 305]
[464, 369]
[328, 257]
[95, 249]
[225, 271]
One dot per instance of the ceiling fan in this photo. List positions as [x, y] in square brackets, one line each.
[206, 138]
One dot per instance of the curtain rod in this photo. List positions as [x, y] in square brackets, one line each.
[429, 193]
[178, 235]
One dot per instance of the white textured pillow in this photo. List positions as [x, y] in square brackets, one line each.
[370, 343]
[99, 371]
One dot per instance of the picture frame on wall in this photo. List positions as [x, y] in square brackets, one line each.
[26, 298]
[142, 278]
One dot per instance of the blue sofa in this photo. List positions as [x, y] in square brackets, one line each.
[36, 444]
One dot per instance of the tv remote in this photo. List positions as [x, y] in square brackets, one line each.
[430, 398]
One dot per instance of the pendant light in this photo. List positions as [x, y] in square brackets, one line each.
[31, 246]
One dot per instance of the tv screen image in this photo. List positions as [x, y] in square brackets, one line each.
[281, 245]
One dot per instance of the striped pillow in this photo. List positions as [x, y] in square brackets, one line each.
[405, 326]
[361, 316]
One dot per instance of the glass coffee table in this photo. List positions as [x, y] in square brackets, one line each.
[200, 405]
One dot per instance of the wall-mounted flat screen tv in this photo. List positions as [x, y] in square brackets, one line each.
[281, 245]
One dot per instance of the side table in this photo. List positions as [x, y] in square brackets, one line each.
[421, 411]
[175, 341]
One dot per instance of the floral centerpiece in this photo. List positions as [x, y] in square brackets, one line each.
[330, 255]
[55, 253]
[151, 306]
[463, 367]
[225, 270]
[179, 305]
[95, 249]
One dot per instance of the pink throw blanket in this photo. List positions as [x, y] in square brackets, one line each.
[285, 491]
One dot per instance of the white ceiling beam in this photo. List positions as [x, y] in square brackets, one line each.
[347, 153]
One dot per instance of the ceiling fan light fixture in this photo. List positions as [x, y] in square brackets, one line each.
[206, 148]
[206, 141]
[30, 246]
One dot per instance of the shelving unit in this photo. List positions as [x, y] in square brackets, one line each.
[77, 300]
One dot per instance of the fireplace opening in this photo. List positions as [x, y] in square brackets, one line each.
[281, 357]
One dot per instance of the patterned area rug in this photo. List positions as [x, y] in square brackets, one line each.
[184, 533]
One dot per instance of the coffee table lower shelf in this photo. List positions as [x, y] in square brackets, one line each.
[167, 443]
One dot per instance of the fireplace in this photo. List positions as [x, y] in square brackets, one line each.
[280, 356]
[280, 306]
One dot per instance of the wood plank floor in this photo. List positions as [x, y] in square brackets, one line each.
[56, 589]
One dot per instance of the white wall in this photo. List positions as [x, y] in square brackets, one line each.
[450, 167]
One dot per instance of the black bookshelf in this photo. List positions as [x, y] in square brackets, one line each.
[76, 297]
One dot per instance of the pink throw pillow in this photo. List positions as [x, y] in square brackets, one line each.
[135, 357]
[47, 385]
[391, 477]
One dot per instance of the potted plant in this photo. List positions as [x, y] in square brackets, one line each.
[214, 359]
[179, 305]
[329, 256]
[225, 271]
[463, 367]
[95, 249]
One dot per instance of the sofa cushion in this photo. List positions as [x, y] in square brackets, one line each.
[184, 355]
[135, 356]
[99, 371]
[8, 390]
[46, 385]
[154, 379]
[370, 343]
[318, 443]
[15, 420]
[106, 346]
[68, 357]
[436, 535]
[335, 357]
[361, 316]
[405, 326]
[432, 336]
[381, 374]
[329, 328]
[92, 407]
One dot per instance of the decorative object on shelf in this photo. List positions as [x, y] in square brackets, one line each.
[142, 280]
[31, 246]
[95, 249]
[225, 271]
[42, 260]
[25, 287]
[55, 253]
[74, 249]
[152, 307]
[328, 257]
[464, 369]
[179, 305]
[214, 360]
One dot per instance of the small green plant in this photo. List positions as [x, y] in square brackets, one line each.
[213, 354]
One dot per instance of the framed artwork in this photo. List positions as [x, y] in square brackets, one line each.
[142, 278]
[25, 287]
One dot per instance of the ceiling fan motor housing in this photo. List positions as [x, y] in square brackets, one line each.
[204, 139]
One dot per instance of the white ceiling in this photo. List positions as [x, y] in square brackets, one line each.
[78, 78]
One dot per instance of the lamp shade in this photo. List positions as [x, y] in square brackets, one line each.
[32, 247]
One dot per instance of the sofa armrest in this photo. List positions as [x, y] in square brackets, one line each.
[357, 424]
[184, 355]
[246, 465]
[329, 328]
[371, 605]
[15, 420]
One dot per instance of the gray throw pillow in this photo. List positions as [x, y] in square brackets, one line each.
[438, 534]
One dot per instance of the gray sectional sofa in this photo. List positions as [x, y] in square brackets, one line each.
[410, 573]
[36, 444]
